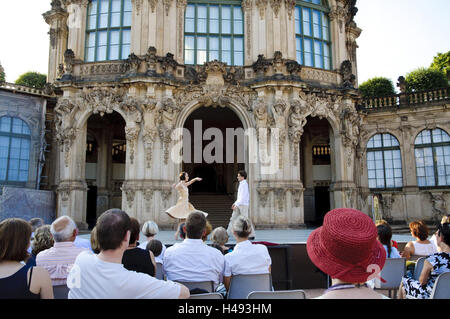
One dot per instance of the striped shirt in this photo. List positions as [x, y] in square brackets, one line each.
[58, 260]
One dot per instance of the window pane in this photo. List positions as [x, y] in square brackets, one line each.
[190, 25]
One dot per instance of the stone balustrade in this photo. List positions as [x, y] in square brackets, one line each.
[405, 100]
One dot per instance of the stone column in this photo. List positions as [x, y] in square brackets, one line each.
[56, 18]
[337, 24]
[180, 11]
[76, 23]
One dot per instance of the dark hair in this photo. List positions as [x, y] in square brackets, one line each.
[36, 223]
[243, 174]
[183, 176]
[385, 236]
[181, 231]
[155, 246]
[135, 230]
[419, 229]
[15, 236]
[444, 230]
[195, 225]
[111, 228]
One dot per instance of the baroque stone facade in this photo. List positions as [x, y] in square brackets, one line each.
[155, 92]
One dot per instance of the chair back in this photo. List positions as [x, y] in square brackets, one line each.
[205, 285]
[441, 289]
[61, 292]
[242, 285]
[212, 295]
[393, 271]
[418, 268]
[159, 274]
[281, 294]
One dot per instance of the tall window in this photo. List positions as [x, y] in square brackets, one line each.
[14, 150]
[312, 29]
[214, 31]
[432, 150]
[384, 162]
[108, 30]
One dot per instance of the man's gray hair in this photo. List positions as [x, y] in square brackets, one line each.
[62, 228]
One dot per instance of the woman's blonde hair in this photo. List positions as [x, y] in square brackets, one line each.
[43, 239]
[220, 236]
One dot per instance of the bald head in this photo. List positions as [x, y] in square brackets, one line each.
[64, 229]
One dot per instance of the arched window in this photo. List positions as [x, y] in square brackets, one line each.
[108, 30]
[384, 164]
[312, 32]
[214, 31]
[432, 150]
[14, 150]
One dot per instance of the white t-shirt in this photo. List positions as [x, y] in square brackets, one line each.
[193, 261]
[93, 278]
[247, 259]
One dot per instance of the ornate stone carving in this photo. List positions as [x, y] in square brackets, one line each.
[167, 5]
[130, 193]
[247, 5]
[153, 4]
[137, 5]
[348, 78]
[168, 63]
[296, 196]
[387, 201]
[280, 197]
[293, 67]
[338, 13]
[296, 122]
[150, 128]
[261, 4]
[233, 75]
[276, 5]
[102, 100]
[261, 65]
[263, 194]
[279, 120]
[133, 63]
[166, 119]
[439, 205]
[132, 134]
[69, 61]
[290, 7]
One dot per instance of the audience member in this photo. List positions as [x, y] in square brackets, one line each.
[383, 222]
[219, 237]
[192, 260]
[246, 258]
[155, 246]
[421, 247]
[346, 248]
[35, 224]
[43, 239]
[385, 237]
[445, 219]
[135, 258]
[434, 265]
[207, 231]
[94, 242]
[19, 281]
[59, 259]
[150, 230]
[180, 232]
[103, 276]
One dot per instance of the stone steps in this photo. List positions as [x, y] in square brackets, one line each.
[217, 206]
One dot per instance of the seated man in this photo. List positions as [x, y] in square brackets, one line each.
[103, 276]
[192, 260]
[59, 259]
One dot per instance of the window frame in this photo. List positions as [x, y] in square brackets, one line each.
[10, 135]
[324, 10]
[108, 29]
[383, 149]
[220, 35]
[433, 147]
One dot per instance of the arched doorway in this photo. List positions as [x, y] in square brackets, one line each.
[316, 169]
[210, 155]
[105, 164]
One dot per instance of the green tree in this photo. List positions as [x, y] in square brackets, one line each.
[2, 74]
[425, 79]
[377, 87]
[441, 62]
[32, 79]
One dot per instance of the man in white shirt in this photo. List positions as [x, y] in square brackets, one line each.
[103, 276]
[192, 260]
[240, 206]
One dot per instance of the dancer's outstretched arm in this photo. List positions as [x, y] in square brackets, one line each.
[193, 180]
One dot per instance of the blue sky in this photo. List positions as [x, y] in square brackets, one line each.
[398, 36]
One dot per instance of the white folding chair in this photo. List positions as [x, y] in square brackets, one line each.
[441, 288]
[206, 285]
[281, 294]
[212, 295]
[418, 268]
[60, 292]
[242, 285]
[393, 271]
[159, 273]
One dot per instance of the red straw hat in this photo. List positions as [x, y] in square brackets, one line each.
[346, 246]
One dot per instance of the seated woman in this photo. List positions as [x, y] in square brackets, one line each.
[17, 280]
[445, 219]
[385, 238]
[135, 258]
[150, 229]
[219, 237]
[421, 247]
[246, 258]
[434, 265]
